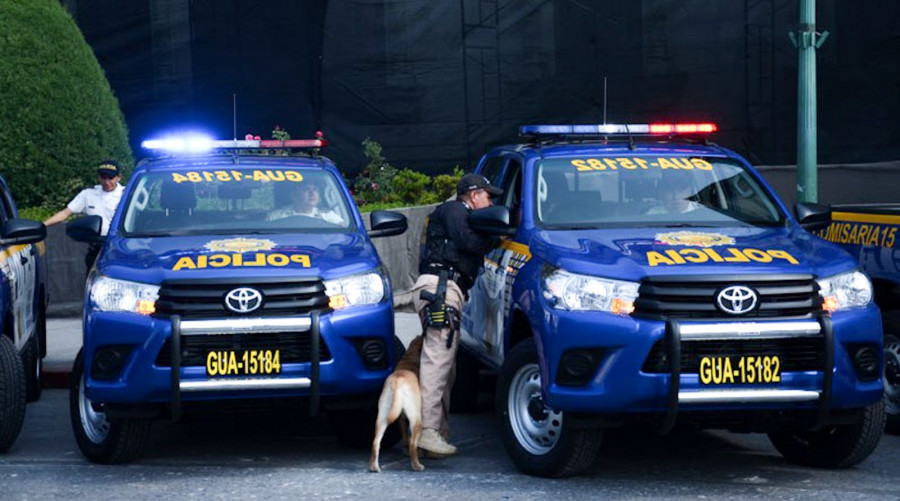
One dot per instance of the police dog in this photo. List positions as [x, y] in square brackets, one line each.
[401, 394]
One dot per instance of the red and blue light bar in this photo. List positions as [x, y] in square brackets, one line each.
[618, 129]
[202, 144]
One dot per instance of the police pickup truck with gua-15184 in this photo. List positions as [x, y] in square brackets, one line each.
[227, 277]
[651, 277]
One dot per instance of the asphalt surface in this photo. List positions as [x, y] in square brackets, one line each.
[286, 455]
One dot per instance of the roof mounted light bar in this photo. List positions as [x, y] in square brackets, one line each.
[617, 129]
[201, 144]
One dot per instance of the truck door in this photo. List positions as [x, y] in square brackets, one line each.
[18, 267]
[486, 313]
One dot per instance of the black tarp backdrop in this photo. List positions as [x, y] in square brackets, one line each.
[436, 82]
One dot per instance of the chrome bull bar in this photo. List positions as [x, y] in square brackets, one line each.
[676, 332]
[255, 325]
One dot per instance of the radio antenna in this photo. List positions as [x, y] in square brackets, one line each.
[604, 100]
[234, 115]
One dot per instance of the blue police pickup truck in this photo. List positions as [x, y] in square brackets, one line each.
[23, 306]
[231, 277]
[870, 233]
[651, 277]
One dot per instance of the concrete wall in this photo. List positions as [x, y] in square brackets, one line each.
[858, 183]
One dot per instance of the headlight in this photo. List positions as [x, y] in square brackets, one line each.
[355, 290]
[569, 291]
[110, 294]
[845, 290]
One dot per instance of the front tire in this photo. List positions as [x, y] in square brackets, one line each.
[837, 446]
[102, 440]
[892, 383]
[539, 440]
[355, 428]
[12, 393]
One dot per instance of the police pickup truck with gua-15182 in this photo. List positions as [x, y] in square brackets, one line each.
[651, 277]
[227, 277]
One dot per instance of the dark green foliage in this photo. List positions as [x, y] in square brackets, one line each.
[58, 116]
[381, 185]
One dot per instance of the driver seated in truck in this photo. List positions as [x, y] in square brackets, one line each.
[675, 196]
[305, 201]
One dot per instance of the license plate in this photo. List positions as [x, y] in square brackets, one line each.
[243, 362]
[740, 370]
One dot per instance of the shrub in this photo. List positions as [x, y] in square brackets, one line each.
[59, 116]
[374, 183]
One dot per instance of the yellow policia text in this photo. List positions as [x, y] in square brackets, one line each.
[643, 163]
[727, 255]
[872, 235]
[258, 259]
[236, 175]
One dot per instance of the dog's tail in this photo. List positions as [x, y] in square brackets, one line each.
[393, 404]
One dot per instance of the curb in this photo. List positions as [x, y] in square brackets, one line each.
[56, 378]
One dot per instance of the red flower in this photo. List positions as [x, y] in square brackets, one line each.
[374, 186]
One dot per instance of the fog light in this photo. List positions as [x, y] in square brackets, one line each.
[865, 361]
[108, 362]
[576, 367]
[373, 353]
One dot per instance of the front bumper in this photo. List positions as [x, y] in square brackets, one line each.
[143, 381]
[620, 385]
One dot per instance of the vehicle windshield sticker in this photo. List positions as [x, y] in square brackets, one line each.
[862, 229]
[240, 245]
[689, 255]
[640, 163]
[694, 238]
[237, 175]
[257, 259]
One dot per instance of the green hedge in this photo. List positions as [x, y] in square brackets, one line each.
[58, 114]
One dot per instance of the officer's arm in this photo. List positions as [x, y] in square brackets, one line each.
[58, 217]
[467, 239]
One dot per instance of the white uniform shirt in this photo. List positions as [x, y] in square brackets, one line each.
[96, 202]
[329, 216]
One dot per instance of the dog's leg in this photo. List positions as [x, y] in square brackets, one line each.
[413, 411]
[385, 402]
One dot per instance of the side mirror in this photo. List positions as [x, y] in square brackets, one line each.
[22, 231]
[386, 223]
[85, 229]
[812, 217]
[492, 220]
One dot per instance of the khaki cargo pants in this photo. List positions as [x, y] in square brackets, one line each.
[437, 369]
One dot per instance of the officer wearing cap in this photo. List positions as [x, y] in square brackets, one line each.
[450, 259]
[100, 200]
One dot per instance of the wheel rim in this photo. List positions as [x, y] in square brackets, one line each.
[536, 427]
[892, 375]
[94, 423]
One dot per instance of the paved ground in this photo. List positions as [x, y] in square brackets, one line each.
[64, 341]
[286, 455]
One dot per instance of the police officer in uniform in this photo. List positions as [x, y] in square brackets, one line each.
[450, 259]
[100, 200]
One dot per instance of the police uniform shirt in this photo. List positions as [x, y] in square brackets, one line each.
[96, 202]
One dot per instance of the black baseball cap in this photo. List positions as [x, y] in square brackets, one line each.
[474, 181]
[109, 167]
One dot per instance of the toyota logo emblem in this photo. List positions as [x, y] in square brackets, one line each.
[243, 300]
[736, 299]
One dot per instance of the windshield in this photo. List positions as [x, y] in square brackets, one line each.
[237, 200]
[650, 191]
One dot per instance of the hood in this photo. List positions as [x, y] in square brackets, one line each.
[633, 253]
[152, 260]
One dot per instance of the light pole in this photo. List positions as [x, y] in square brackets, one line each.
[807, 40]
